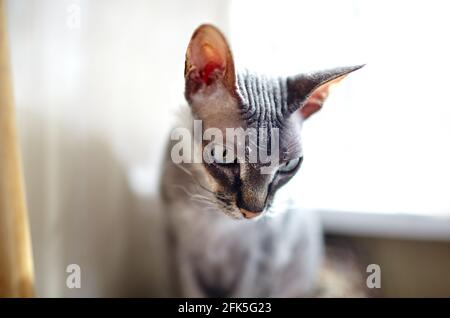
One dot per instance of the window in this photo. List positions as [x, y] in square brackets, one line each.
[382, 142]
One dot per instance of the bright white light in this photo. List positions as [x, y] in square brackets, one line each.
[382, 141]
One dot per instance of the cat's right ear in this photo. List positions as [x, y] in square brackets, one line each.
[208, 61]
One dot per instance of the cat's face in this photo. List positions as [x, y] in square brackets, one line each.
[269, 110]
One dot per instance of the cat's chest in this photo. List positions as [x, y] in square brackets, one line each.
[207, 234]
[225, 257]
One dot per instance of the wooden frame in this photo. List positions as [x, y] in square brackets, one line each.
[16, 265]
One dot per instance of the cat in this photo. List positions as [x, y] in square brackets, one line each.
[234, 231]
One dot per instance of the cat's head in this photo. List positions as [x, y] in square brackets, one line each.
[222, 98]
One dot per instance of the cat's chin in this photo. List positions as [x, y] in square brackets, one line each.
[242, 215]
[251, 215]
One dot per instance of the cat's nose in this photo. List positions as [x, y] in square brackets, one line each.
[249, 214]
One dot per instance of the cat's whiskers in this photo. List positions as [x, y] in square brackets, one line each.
[197, 182]
[209, 204]
[192, 196]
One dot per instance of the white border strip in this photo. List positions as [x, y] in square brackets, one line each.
[395, 225]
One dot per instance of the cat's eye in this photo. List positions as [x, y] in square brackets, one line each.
[222, 156]
[291, 165]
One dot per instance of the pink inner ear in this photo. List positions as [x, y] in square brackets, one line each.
[208, 61]
[315, 101]
[309, 108]
[210, 71]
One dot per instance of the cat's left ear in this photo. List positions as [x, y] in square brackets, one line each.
[308, 92]
[208, 61]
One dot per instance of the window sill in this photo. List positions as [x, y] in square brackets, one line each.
[395, 225]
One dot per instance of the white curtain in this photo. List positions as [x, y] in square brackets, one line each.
[97, 84]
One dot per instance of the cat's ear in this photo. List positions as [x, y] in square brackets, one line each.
[308, 92]
[208, 61]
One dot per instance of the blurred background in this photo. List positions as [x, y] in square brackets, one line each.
[97, 86]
